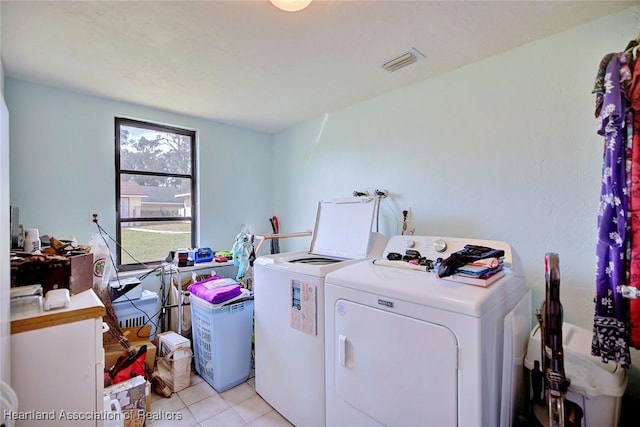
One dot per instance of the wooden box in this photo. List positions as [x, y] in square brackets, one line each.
[74, 272]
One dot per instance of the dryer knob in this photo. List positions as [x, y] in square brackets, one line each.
[440, 245]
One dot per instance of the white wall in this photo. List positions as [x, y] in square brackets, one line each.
[502, 149]
[62, 158]
[5, 280]
[5, 367]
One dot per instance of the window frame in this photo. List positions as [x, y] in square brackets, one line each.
[124, 121]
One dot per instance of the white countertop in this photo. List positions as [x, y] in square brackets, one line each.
[84, 305]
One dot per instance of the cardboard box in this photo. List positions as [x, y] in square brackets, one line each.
[113, 351]
[138, 333]
[132, 397]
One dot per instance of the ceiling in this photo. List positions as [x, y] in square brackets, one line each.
[248, 64]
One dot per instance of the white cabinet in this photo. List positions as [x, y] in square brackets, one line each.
[57, 364]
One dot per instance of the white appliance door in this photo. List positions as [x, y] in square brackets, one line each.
[289, 362]
[343, 228]
[397, 370]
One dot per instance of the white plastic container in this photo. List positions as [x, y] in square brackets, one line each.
[140, 312]
[596, 386]
[113, 416]
[169, 341]
[31, 240]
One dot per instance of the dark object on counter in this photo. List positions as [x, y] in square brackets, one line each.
[470, 253]
[411, 254]
[73, 272]
[394, 256]
[185, 258]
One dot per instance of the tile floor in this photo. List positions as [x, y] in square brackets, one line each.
[201, 406]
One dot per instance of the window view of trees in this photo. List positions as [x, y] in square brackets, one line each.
[155, 185]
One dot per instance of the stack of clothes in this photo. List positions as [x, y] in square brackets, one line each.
[473, 265]
[481, 269]
[215, 289]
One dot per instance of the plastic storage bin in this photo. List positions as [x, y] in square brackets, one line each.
[169, 341]
[221, 337]
[596, 386]
[139, 312]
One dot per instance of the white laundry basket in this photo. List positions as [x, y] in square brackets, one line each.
[596, 386]
[8, 404]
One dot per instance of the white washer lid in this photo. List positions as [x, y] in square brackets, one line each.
[343, 227]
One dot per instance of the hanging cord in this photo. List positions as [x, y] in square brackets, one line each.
[405, 213]
[378, 215]
[404, 221]
[380, 195]
[102, 232]
[393, 209]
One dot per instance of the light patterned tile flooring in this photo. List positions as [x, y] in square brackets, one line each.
[200, 405]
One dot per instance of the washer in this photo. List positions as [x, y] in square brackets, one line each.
[405, 348]
[289, 308]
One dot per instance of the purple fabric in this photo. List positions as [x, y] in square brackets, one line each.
[611, 330]
[215, 295]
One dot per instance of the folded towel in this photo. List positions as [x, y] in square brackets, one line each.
[475, 271]
[487, 262]
[217, 283]
[216, 295]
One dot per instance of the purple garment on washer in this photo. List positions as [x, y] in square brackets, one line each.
[611, 320]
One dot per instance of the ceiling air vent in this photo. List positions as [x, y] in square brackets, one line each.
[401, 61]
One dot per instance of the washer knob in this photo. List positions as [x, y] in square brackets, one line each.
[440, 245]
[410, 243]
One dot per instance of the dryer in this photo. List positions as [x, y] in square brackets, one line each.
[289, 308]
[405, 348]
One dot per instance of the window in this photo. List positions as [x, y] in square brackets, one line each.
[155, 188]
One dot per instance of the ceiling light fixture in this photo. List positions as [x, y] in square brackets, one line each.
[401, 61]
[290, 5]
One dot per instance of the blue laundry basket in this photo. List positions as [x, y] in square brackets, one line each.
[222, 337]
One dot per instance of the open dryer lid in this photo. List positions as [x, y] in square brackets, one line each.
[343, 227]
